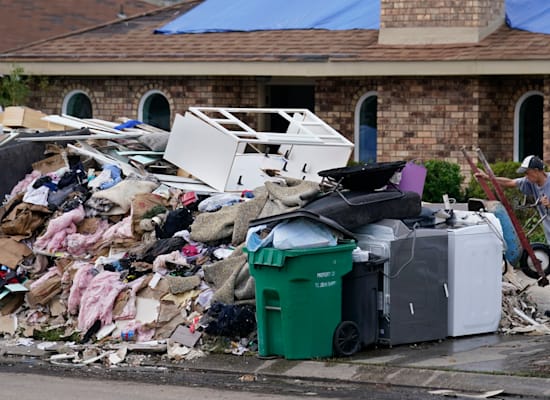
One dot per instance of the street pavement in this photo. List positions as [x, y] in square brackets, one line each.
[517, 365]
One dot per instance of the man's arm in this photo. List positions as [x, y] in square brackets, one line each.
[501, 180]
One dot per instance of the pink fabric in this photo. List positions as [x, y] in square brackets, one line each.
[189, 250]
[22, 185]
[58, 229]
[51, 272]
[159, 263]
[79, 244]
[142, 333]
[98, 300]
[145, 333]
[81, 281]
[120, 230]
[130, 310]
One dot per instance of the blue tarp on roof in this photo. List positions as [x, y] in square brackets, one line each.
[528, 15]
[255, 15]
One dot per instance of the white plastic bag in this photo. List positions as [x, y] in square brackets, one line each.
[255, 239]
[301, 233]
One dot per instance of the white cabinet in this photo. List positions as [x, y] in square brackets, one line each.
[227, 149]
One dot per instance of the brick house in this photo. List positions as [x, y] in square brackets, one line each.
[437, 75]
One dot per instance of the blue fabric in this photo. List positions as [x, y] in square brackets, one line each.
[128, 124]
[254, 15]
[115, 176]
[528, 15]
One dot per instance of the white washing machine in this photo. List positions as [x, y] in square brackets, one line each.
[475, 274]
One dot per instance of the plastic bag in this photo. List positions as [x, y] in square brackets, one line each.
[257, 237]
[302, 233]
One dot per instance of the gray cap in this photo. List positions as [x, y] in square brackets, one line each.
[530, 162]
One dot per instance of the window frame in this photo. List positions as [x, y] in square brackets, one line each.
[143, 101]
[69, 96]
[357, 121]
[517, 114]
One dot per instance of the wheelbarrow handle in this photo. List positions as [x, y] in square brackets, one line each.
[543, 280]
[488, 192]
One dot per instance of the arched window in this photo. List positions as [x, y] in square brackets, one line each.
[528, 125]
[366, 128]
[77, 104]
[154, 110]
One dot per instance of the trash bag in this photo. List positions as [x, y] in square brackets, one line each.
[177, 220]
[301, 233]
[230, 320]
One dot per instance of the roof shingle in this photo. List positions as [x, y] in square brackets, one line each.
[134, 40]
[23, 22]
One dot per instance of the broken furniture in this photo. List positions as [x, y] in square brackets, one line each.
[231, 150]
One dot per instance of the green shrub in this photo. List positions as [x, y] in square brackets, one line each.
[442, 177]
[14, 88]
[501, 168]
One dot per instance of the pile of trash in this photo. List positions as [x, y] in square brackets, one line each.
[520, 312]
[107, 258]
[90, 254]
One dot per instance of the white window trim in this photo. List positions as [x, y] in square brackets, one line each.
[144, 99]
[357, 119]
[68, 97]
[519, 103]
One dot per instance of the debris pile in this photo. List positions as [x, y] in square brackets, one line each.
[97, 250]
[104, 253]
[520, 313]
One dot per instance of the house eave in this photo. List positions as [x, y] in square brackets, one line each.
[282, 69]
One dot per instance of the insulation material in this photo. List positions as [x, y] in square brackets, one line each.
[98, 299]
[58, 229]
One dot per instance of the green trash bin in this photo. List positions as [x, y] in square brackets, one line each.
[299, 298]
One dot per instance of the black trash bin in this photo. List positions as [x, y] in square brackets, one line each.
[360, 287]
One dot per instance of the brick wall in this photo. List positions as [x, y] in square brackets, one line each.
[115, 97]
[336, 99]
[498, 99]
[427, 118]
[439, 13]
[418, 118]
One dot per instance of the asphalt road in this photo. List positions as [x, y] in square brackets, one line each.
[36, 385]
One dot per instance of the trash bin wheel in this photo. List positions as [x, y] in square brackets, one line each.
[542, 252]
[347, 338]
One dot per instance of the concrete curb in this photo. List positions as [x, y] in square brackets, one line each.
[337, 370]
[352, 372]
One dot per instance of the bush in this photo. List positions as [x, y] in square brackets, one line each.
[501, 168]
[442, 177]
[14, 88]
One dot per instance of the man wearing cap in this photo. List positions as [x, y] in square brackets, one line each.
[534, 183]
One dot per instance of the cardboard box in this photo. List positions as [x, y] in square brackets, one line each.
[25, 117]
[50, 164]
